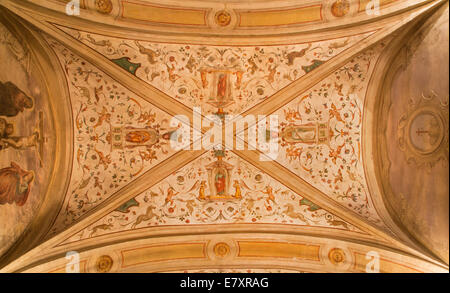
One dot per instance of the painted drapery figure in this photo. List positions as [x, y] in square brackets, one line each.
[138, 137]
[222, 87]
[219, 177]
[131, 137]
[220, 182]
[15, 185]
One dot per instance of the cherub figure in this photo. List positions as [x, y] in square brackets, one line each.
[16, 142]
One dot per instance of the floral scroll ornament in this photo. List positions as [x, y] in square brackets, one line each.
[423, 131]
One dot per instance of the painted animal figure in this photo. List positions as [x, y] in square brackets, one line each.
[337, 45]
[151, 54]
[145, 217]
[290, 212]
[296, 54]
[292, 115]
[170, 194]
[270, 196]
[334, 112]
[271, 76]
[103, 116]
[172, 76]
[338, 223]
[103, 227]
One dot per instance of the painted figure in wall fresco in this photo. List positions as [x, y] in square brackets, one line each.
[238, 193]
[222, 86]
[131, 137]
[201, 192]
[6, 129]
[310, 133]
[16, 142]
[220, 182]
[139, 136]
[300, 134]
[219, 176]
[15, 185]
[13, 100]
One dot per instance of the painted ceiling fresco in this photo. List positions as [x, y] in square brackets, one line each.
[103, 109]
[107, 120]
[119, 73]
[321, 134]
[189, 197]
[188, 73]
